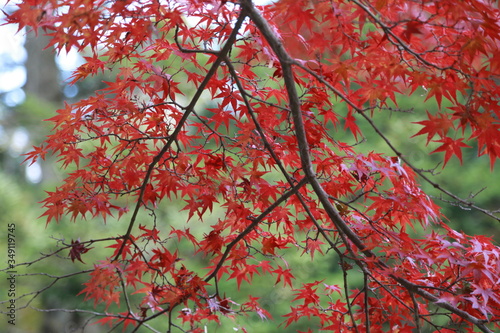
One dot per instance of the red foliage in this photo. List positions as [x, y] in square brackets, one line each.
[283, 81]
[77, 249]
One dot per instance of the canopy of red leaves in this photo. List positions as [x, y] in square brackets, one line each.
[283, 80]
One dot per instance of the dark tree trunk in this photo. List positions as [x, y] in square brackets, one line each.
[43, 75]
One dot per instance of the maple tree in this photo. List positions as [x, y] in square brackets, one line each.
[285, 81]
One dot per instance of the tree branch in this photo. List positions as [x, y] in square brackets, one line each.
[255, 222]
[286, 64]
[188, 110]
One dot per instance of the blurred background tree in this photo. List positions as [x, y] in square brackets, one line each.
[32, 89]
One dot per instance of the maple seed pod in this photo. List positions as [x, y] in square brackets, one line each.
[343, 209]
[345, 266]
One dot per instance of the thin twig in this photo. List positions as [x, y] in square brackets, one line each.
[187, 112]
[255, 221]
[286, 64]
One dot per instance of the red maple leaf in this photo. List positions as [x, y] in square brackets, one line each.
[438, 124]
[77, 249]
[451, 147]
